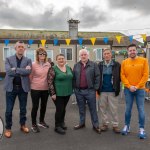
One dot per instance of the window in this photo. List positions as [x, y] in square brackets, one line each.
[50, 54]
[30, 53]
[8, 51]
[98, 54]
[67, 52]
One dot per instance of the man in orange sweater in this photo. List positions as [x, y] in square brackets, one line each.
[134, 75]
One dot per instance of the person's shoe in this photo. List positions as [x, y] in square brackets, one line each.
[97, 130]
[104, 128]
[35, 129]
[8, 133]
[63, 125]
[60, 130]
[24, 129]
[79, 126]
[43, 124]
[116, 129]
[142, 134]
[125, 130]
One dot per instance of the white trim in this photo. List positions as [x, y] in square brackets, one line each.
[4, 53]
[9, 51]
[96, 55]
[52, 53]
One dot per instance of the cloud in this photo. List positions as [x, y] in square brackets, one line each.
[92, 16]
[16, 18]
[140, 6]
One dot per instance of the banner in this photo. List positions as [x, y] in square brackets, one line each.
[93, 40]
[6, 42]
[55, 41]
[43, 42]
[131, 38]
[118, 39]
[30, 42]
[80, 41]
[68, 41]
[105, 40]
[144, 37]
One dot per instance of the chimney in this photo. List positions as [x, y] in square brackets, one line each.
[73, 28]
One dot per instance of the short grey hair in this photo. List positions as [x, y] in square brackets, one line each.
[83, 50]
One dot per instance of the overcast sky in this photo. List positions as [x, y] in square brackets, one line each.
[128, 16]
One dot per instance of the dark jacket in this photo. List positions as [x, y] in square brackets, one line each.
[115, 76]
[92, 75]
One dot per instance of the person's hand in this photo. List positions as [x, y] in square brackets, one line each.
[132, 88]
[13, 69]
[28, 67]
[53, 97]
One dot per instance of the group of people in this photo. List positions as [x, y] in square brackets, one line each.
[86, 79]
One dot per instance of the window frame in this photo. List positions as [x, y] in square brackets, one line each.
[9, 51]
[52, 53]
[66, 52]
[96, 55]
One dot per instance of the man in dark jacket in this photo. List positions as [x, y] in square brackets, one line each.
[109, 90]
[86, 81]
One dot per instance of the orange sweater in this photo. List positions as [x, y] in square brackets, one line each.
[134, 72]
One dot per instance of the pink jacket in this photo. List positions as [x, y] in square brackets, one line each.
[38, 76]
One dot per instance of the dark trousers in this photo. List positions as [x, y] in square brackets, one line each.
[36, 95]
[60, 103]
[89, 96]
[10, 101]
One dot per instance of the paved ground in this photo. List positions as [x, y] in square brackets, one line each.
[85, 139]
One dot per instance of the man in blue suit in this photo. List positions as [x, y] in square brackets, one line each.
[17, 83]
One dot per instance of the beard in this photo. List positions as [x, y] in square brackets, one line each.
[133, 56]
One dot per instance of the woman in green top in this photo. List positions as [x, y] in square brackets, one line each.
[60, 86]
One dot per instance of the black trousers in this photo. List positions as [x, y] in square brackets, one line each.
[36, 95]
[60, 103]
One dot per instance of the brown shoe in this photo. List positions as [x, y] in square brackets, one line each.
[8, 133]
[79, 126]
[97, 130]
[116, 129]
[24, 129]
[104, 128]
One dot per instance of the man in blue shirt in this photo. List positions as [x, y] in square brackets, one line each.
[109, 90]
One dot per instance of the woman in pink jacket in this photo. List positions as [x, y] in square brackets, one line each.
[39, 88]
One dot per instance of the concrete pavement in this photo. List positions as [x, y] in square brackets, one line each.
[84, 139]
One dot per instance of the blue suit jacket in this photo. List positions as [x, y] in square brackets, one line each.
[11, 62]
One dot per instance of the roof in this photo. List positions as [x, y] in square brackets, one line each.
[49, 35]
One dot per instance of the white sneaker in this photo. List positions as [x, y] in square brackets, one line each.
[125, 130]
[142, 134]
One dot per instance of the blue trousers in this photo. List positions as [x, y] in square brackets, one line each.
[139, 96]
[10, 101]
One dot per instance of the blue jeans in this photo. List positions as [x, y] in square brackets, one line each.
[88, 95]
[10, 101]
[139, 95]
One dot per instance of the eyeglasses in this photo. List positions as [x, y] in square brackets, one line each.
[44, 54]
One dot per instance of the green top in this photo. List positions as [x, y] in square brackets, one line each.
[63, 81]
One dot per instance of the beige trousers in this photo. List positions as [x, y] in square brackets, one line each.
[108, 103]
